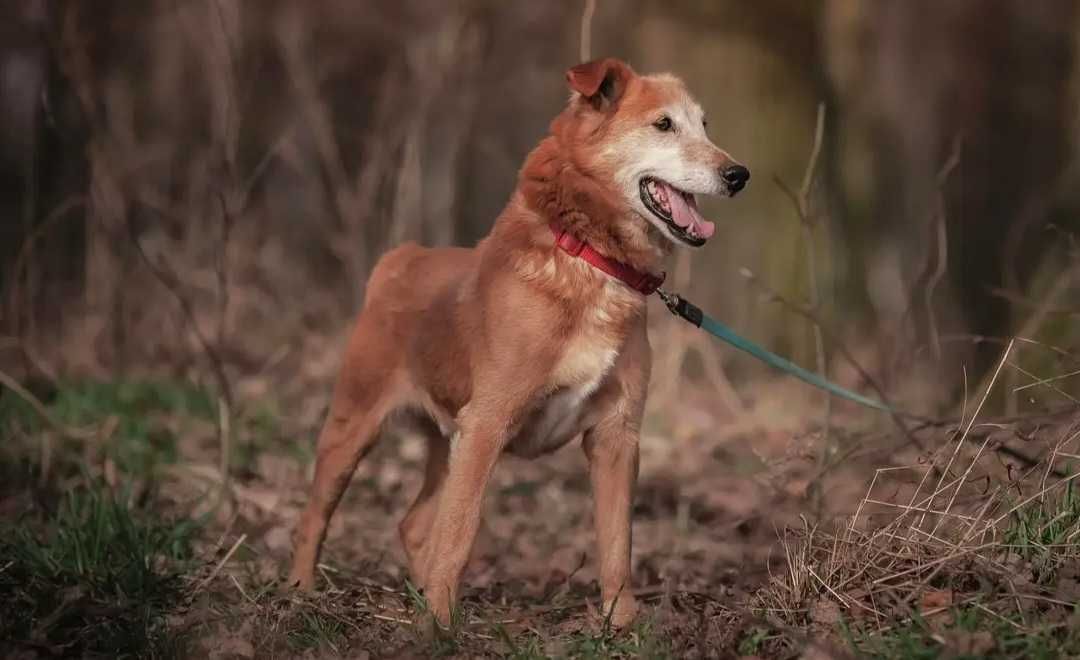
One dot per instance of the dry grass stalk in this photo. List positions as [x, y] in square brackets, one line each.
[963, 437]
[224, 560]
[937, 544]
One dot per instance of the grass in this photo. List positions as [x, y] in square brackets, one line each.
[85, 402]
[143, 419]
[1038, 533]
[95, 577]
[641, 641]
[969, 632]
[753, 640]
[316, 630]
[531, 647]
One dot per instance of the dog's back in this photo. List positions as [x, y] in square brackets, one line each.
[410, 342]
[408, 279]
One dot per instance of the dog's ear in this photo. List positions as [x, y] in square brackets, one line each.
[600, 82]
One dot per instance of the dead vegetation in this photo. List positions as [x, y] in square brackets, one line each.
[964, 547]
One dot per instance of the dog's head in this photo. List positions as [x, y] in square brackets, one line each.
[645, 137]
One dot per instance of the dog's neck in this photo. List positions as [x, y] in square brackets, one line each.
[561, 193]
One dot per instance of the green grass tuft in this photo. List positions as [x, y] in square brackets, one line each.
[96, 577]
[753, 640]
[315, 630]
[641, 641]
[971, 633]
[524, 647]
[1044, 533]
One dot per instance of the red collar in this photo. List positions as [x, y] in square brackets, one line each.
[645, 283]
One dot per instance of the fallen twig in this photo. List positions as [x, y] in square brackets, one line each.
[224, 560]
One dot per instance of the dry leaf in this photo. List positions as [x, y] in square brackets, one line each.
[935, 599]
[825, 612]
[934, 605]
[969, 644]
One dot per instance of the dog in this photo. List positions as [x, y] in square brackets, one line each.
[534, 337]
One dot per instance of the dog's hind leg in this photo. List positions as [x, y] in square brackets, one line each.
[415, 527]
[351, 430]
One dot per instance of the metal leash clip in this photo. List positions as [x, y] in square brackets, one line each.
[670, 299]
[681, 307]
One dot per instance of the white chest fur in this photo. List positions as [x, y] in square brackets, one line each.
[558, 420]
[591, 350]
[585, 361]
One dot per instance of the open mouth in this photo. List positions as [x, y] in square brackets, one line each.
[677, 209]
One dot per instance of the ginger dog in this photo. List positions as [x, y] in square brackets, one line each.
[534, 337]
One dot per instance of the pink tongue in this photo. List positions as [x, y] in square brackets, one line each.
[685, 214]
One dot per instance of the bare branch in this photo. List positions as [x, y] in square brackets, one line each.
[847, 355]
[942, 262]
[169, 280]
[43, 412]
[586, 30]
[801, 202]
[811, 167]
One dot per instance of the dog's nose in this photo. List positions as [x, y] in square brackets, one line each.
[736, 177]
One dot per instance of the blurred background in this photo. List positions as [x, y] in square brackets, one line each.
[198, 188]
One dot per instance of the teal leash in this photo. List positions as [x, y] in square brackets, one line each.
[691, 313]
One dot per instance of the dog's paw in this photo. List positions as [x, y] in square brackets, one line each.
[432, 628]
[299, 580]
[428, 627]
[620, 613]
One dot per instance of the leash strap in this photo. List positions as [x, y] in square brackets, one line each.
[691, 313]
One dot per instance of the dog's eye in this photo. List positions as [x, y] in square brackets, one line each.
[704, 123]
[664, 124]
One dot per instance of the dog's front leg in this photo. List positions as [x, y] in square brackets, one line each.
[612, 449]
[484, 430]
